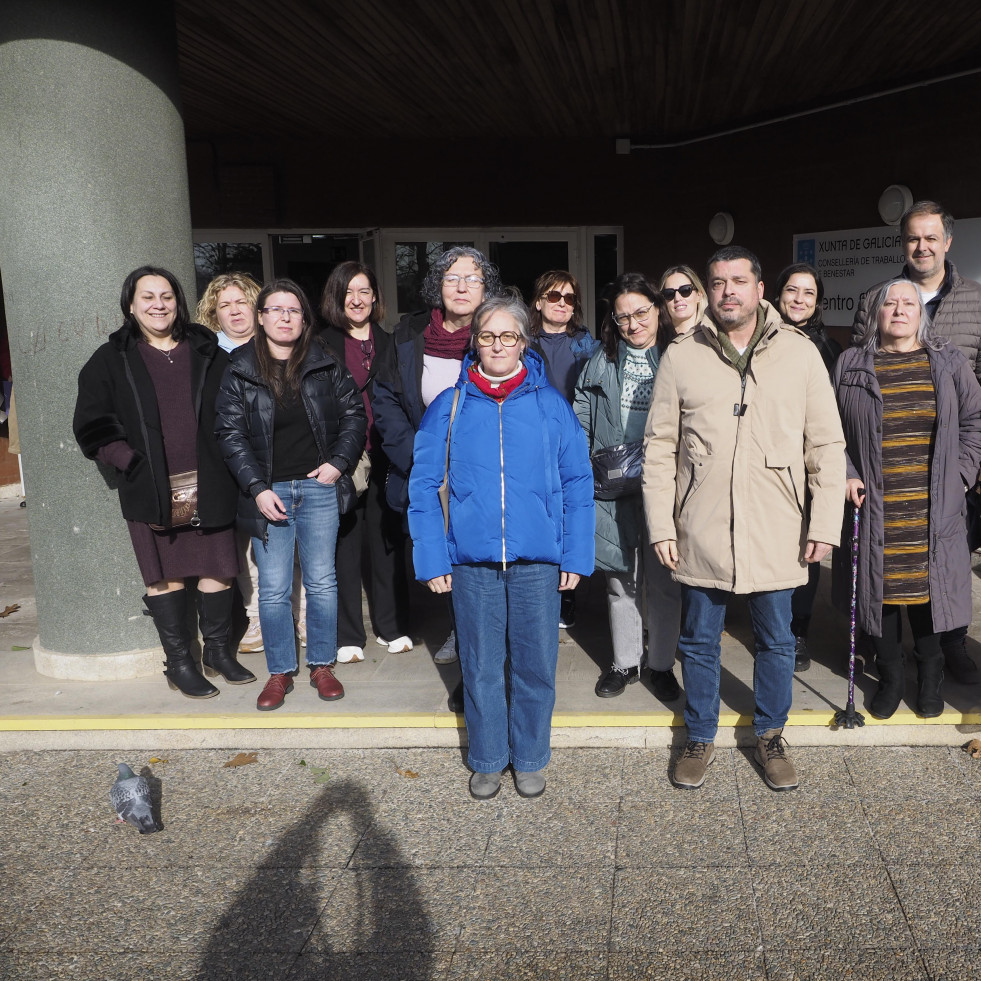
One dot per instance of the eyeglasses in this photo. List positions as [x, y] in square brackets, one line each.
[367, 350]
[472, 282]
[508, 338]
[640, 316]
[280, 312]
[554, 296]
[685, 291]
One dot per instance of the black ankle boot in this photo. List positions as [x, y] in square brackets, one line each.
[169, 612]
[929, 701]
[892, 686]
[215, 621]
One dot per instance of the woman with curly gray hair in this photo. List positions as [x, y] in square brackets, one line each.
[425, 359]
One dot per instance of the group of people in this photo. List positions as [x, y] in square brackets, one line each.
[707, 443]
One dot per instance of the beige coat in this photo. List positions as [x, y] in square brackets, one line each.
[742, 480]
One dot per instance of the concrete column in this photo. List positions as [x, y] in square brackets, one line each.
[94, 184]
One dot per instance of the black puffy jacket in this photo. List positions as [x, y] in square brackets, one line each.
[246, 410]
[117, 401]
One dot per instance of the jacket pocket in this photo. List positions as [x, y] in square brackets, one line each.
[780, 463]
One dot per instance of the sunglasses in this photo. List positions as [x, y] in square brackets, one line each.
[685, 291]
[554, 296]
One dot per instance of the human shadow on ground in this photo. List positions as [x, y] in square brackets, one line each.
[297, 918]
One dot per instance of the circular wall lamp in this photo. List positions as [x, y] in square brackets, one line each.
[721, 228]
[894, 202]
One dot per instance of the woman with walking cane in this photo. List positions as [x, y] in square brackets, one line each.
[911, 412]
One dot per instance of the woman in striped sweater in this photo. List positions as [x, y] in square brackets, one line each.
[911, 411]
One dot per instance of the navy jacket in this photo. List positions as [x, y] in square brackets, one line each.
[521, 484]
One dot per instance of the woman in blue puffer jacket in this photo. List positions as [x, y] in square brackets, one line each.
[518, 530]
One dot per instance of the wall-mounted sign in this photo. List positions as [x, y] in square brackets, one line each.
[855, 259]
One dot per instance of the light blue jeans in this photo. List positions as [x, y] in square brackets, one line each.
[703, 617]
[311, 527]
[507, 615]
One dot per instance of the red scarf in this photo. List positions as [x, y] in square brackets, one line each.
[499, 392]
[442, 343]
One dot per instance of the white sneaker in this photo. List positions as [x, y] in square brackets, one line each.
[348, 654]
[447, 653]
[251, 642]
[401, 645]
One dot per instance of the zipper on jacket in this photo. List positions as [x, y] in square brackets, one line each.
[500, 430]
[691, 484]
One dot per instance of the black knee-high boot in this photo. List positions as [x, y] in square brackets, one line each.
[930, 668]
[169, 612]
[892, 681]
[215, 621]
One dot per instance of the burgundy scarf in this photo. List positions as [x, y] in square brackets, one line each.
[441, 343]
[498, 392]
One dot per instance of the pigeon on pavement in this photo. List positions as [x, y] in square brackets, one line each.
[130, 796]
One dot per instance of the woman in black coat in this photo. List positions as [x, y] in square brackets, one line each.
[352, 309]
[290, 423]
[146, 407]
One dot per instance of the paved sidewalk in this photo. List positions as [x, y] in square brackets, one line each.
[400, 700]
[377, 865]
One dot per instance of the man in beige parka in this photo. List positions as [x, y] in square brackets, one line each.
[744, 484]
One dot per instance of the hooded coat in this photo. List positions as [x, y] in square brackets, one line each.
[729, 461]
[956, 456]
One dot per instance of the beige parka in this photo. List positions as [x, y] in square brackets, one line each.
[742, 476]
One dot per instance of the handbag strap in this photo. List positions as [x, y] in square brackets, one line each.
[446, 471]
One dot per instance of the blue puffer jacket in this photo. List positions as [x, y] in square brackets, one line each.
[521, 485]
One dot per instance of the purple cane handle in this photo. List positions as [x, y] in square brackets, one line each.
[851, 653]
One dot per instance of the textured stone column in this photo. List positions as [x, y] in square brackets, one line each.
[94, 184]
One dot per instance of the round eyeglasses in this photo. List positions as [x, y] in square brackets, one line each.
[471, 281]
[508, 338]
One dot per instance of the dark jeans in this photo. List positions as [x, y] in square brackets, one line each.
[802, 602]
[375, 525]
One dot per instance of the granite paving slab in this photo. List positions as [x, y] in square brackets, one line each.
[917, 772]
[676, 833]
[800, 831]
[867, 963]
[687, 965]
[316, 964]
[521, 964]
[829, 908]
[647, 774]
[658, 910]
[941, 902]
[821, 771]
[961, 963]
[378, 910]
[912, 831]
[513, 908]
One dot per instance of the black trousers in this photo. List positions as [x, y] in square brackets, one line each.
[372, 532]
[889, 646]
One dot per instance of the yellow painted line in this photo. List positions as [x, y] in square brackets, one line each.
[429, 720]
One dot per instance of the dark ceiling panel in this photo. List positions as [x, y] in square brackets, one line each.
[658, 71]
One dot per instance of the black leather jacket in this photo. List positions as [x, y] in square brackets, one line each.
[246, 410]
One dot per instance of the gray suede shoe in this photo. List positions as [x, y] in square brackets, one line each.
[531, 784]
[484, 786]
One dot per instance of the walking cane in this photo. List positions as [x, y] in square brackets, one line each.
[848, 717]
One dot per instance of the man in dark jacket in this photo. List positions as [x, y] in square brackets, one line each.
[954, 305]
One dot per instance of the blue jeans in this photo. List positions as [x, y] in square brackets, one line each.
[311, 527]
[703, 617]
[509, 615]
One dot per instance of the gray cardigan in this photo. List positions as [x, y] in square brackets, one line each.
[954, 465]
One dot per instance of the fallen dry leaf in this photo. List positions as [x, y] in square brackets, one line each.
[243, 759]
[156, 759]
[973, 749]
[10, 609]
[410, 774]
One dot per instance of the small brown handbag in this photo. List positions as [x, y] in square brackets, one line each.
[183, 501]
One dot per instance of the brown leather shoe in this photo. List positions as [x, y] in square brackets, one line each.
[274, 694]
[328, 687]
